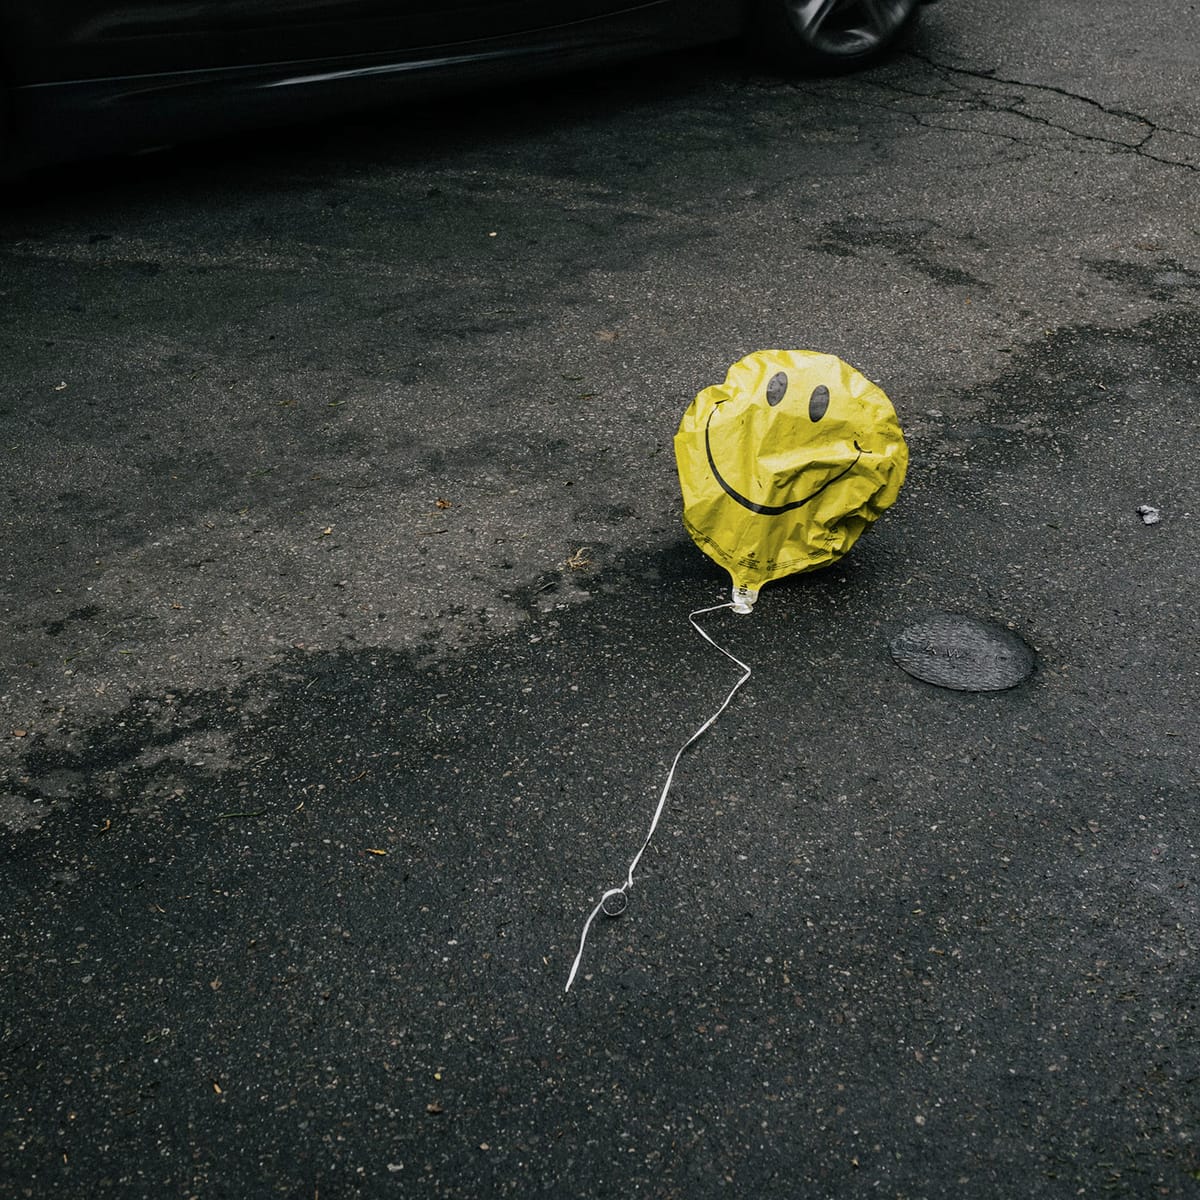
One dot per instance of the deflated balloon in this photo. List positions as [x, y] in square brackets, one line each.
[785, 464]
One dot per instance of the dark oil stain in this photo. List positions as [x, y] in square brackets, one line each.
[1163, 280]
[915, 243]
[86, 613]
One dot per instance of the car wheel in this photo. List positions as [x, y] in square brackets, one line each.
[828, 36]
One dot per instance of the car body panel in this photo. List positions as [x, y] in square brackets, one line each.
[81, 78]
[87, 78]
[65, 40]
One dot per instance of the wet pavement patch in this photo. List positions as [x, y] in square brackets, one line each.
[324, 914]
[964, 653]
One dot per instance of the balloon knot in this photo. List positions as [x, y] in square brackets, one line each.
[743, 599]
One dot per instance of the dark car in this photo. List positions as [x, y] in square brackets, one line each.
[83, 77]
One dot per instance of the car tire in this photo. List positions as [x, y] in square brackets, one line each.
[828, 37]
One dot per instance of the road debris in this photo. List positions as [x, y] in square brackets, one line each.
[785, 464]
[614, 901]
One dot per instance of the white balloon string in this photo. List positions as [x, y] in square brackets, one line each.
[607, 903]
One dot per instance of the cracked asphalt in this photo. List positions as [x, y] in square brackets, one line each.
[347, 646]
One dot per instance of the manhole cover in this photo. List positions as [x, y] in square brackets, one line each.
[964, 653]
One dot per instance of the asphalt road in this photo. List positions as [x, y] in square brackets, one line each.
[345, 593]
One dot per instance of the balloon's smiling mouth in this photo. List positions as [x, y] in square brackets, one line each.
[769, 510]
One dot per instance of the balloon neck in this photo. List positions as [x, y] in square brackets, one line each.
[743, 599]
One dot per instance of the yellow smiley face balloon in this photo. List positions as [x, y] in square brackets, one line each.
[784, 464]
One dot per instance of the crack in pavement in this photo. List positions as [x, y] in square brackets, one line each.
[957, 97]
[1136, 146]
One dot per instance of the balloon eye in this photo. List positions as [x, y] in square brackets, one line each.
[818, 402]
[777, 388]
